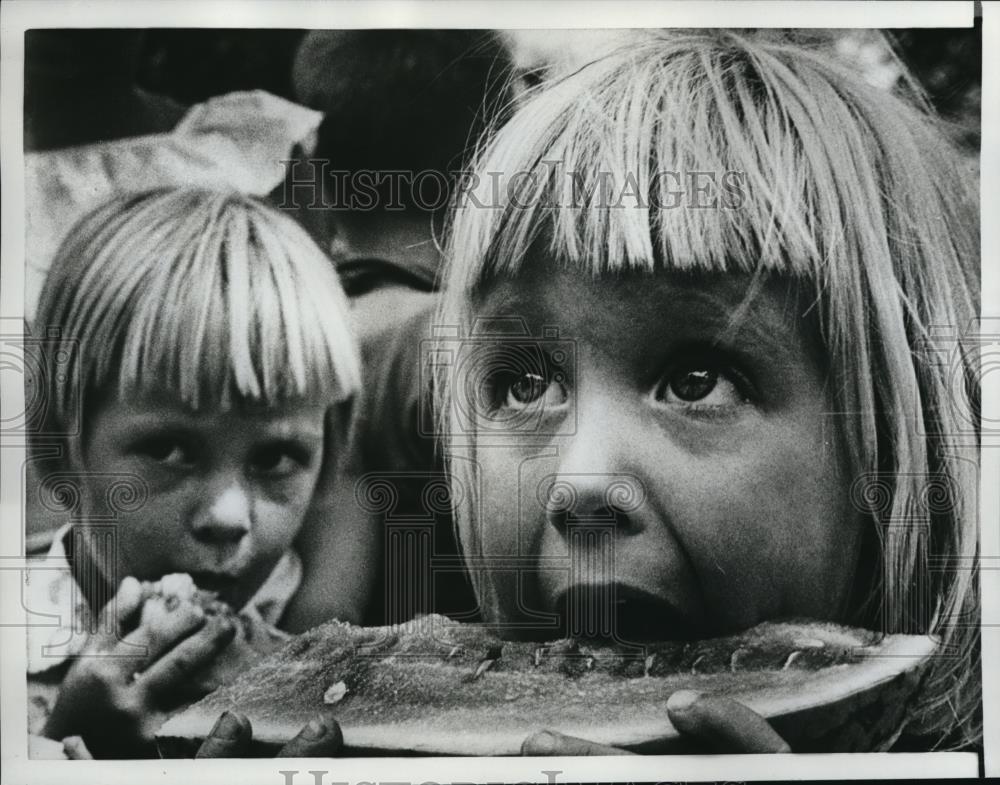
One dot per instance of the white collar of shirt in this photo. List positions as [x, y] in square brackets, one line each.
[60, 618]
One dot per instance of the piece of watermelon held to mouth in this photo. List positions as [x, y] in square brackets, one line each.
[436, 687]
[253, 640]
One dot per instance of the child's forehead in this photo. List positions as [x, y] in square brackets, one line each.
[549, 289]
[644, 312]
[156, 400]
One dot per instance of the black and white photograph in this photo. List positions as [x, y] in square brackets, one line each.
[451, 395]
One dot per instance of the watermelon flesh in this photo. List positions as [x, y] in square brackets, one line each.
[437, 687]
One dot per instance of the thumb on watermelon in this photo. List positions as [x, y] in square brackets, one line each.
[722, 724]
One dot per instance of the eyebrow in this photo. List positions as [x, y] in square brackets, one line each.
[745, 313]
[277, 429]
[287, 432]
[753, 319]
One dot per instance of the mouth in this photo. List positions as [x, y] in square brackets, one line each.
[224, 585]
[619, 613]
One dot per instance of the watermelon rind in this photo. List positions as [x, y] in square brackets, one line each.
[858, 705]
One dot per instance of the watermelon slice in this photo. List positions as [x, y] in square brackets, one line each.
[437, 687]
[254, 639]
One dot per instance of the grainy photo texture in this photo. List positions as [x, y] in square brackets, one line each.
[484, 392]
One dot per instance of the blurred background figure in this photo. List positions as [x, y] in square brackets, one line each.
[395, 101]
[407, 102]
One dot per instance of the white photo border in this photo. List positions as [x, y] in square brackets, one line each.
[18, 15]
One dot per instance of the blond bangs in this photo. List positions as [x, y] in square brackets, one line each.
[211, 296]
[808, 136]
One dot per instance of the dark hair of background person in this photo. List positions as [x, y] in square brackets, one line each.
[402, 100]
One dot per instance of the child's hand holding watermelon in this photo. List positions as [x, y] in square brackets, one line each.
[713, 723]
[118, 690]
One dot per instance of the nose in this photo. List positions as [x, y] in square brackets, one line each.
[227, 519]
[589, 515]
[601, 499]
[597, 483]
[592, 517]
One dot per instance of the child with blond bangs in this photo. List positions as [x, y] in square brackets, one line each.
[721, 307]
[210, 369]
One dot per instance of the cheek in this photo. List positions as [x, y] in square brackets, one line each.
[770, 533]
[149, 539]
[142, 506]
[279, 513]
[510, 512]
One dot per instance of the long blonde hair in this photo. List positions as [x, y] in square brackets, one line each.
[852, 192]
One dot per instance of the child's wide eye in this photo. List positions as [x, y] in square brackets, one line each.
[511, 377]
[700, 385]
[166, 450]
[279, 460]
[526, 389]
[532, 389]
